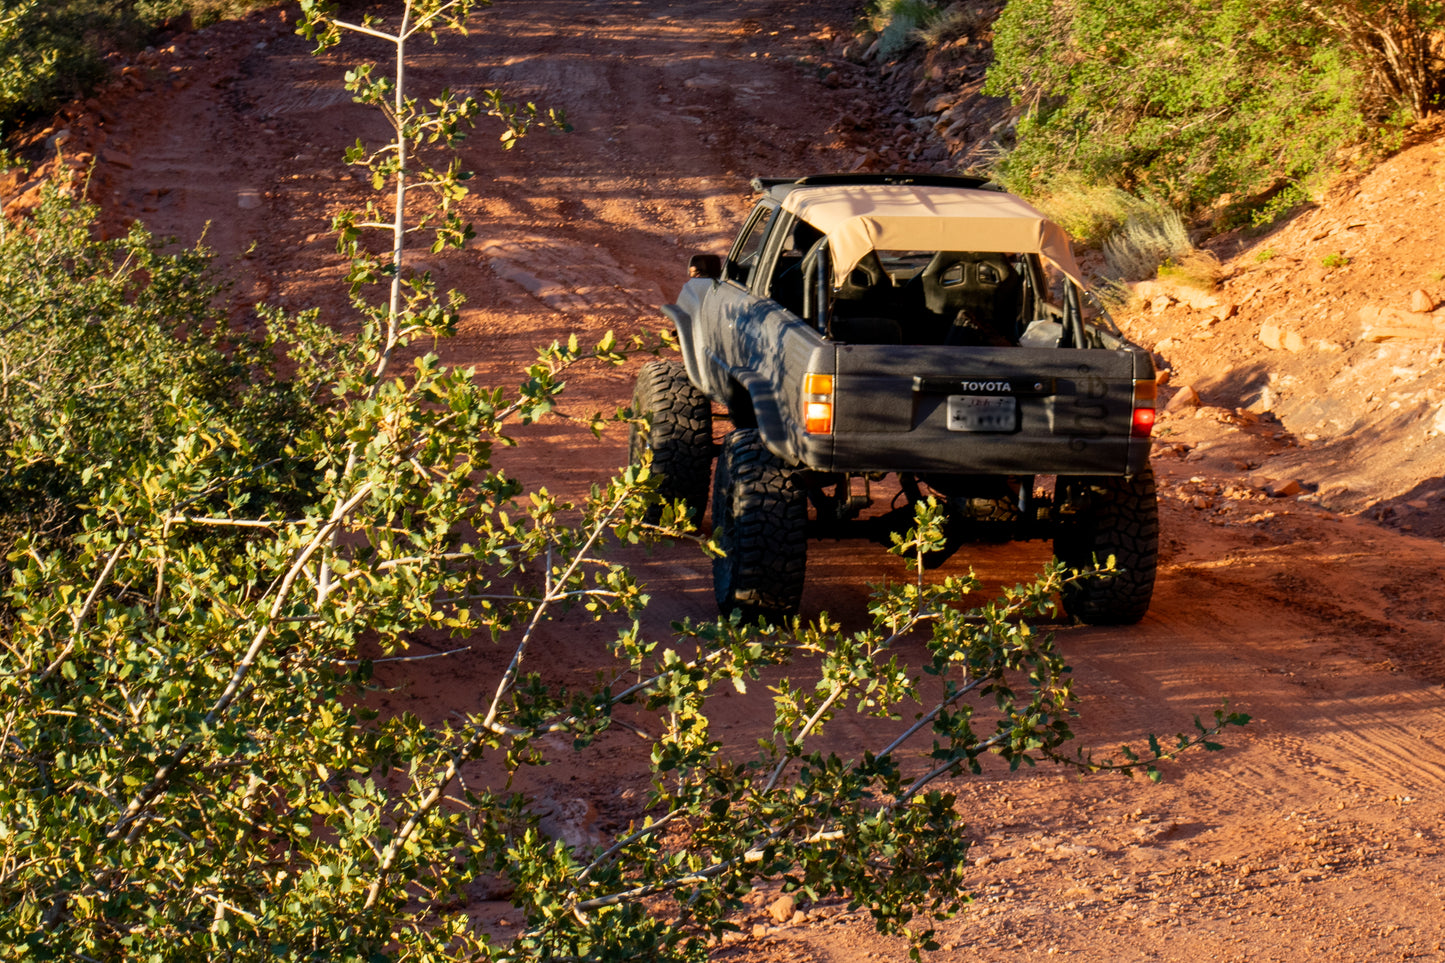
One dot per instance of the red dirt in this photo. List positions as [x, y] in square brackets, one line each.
[1315, 835]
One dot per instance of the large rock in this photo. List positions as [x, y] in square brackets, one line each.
[1275, 335]
[782, 909]
[573, 821]
[1421, 302]
[1391, 324]
[1184, 399]
[1194, 298]
[942, 102]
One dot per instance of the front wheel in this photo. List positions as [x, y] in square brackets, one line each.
[759, 518]
[678, 433]
[1106, 517]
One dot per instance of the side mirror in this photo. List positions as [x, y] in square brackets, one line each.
[704, 266]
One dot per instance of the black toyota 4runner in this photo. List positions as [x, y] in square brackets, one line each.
[929, 327]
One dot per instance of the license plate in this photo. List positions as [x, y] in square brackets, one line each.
[982, 413]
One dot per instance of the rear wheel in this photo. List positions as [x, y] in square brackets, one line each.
[1106, 517]
[759, 519]
[679, 435]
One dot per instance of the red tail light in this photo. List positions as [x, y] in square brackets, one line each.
[1145, 393]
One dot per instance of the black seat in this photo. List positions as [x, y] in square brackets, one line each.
[866, 292]
[978, 293]
[866, 277]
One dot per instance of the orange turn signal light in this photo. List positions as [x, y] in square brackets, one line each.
[817, 384]
[818, 404]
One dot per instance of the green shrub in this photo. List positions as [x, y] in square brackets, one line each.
[1288, 198]
[1180, 99]
[52, 50]
[201, 12]
[49, 52]
[103, 346]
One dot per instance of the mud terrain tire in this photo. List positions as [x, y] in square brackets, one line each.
[1118, 517]
[759, 519]
[680, 437]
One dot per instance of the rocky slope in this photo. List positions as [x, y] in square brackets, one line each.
[1332, 327]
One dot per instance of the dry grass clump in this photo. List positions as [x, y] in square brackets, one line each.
[954, 21]
[1088, 212]
[1195, 269]
[1154, 240]
[1116, 296]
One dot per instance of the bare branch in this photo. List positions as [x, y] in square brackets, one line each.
[78, 618]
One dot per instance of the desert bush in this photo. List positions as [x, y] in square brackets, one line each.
[53, 50]
[898, 23]
[108, 347]
[1149, 238]
[1153, 239]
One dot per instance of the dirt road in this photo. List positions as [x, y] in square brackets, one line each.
[1316, 835]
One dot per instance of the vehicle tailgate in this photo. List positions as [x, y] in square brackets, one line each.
[970, 410]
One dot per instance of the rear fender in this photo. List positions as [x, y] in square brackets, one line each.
[784, 353]
[766, 414]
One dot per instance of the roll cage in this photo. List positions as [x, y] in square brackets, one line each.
[910, 296]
